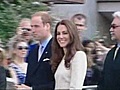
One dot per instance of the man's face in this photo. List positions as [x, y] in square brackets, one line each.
[39, 29]
[115, 29]
[25, 30]
[80, 24]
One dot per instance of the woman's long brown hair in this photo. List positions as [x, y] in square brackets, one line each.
[73, 46]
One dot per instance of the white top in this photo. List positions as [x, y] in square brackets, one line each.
[72, 78]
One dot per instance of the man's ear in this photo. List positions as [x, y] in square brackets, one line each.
[47, 26]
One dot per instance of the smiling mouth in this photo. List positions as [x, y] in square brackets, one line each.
[61, 41]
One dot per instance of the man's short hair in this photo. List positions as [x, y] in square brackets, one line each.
[46, 18]
[116, 14]
[78, 16]
[24, 20]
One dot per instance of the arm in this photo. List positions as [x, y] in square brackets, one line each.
[78, 70]
[13, 75]
[103, 48]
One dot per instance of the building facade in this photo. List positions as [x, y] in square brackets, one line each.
[98, 13]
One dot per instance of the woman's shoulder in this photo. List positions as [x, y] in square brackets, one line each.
[12, 65]
[2, 68]
[80, 53]
[79, 59]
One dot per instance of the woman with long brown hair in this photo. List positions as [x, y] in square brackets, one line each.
[69, 62]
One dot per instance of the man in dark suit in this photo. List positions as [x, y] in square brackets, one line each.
[111, 72]
[2, 78]
[39, 75]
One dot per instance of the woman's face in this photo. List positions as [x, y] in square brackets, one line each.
[21, 49]
[63, 37]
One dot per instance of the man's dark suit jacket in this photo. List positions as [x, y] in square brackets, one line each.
[111, 72]
[2, 78]
[39, 75]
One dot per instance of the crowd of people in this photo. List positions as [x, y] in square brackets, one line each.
[37, 60]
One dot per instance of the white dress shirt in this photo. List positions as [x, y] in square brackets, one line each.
[118, 47]
[42, 46]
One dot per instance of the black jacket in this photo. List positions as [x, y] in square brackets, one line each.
[111, 72]
[2, 78]
[39, 74]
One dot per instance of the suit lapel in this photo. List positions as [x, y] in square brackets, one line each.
[46, 51]
[117, 55]
[46, 54]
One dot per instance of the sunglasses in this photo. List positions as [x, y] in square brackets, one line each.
[21, 47]
[114, 26]
[26, 29]
[81, 25]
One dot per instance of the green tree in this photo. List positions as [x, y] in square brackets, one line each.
[11, 11]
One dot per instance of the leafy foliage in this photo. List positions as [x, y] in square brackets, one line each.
[11, 11]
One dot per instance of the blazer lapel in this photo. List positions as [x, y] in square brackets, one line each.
[46, 54]
[46, 51]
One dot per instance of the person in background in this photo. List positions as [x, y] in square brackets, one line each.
[18, 66]
[69, 62]
[93, 69]
[3, 82]
[39, 67]
[80, 21]
[111, 71]
[102, 50]
[24, 31]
